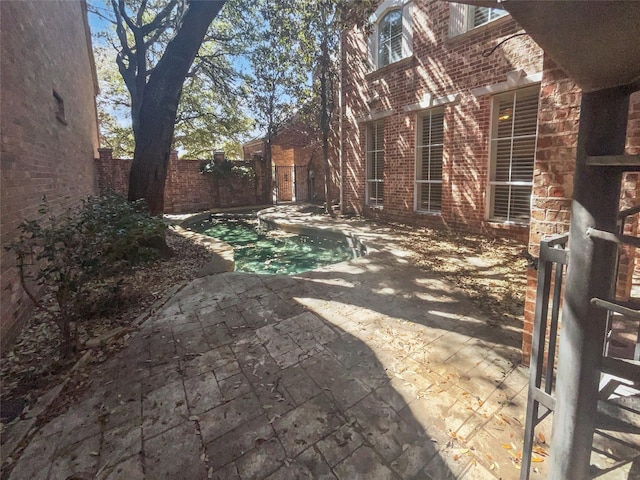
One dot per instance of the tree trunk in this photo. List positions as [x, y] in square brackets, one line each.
[324, 121]
[267, 185]
[154, 135]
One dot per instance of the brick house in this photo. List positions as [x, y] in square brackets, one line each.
[48, 122]
[297, 166]
[453, 116]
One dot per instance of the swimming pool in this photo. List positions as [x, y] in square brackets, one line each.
[274, 251]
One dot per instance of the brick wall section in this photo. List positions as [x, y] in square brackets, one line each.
[558, 121]
[555, 163]
[296, 145]
[440, 66]
[45, 46]
[187, 190]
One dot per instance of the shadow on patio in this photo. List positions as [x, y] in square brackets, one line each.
[366, 369]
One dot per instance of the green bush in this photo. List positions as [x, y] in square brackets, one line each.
[225, 169]
[70, 255]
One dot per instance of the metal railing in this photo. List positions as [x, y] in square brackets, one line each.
[551, 268]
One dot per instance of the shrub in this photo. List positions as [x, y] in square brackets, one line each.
[71, 254]
[225, 169]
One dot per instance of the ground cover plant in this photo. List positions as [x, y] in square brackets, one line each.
[73, 257]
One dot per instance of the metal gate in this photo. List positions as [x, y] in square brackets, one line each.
[302, 183]
[291, 183]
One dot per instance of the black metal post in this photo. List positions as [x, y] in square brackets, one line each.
[596, 194]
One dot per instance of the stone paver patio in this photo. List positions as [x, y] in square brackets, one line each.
[369, 369]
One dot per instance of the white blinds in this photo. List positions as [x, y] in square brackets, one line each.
[513, 146]
[375, 164]
[429, 162]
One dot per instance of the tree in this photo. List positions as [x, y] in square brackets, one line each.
[210, 115]
[114, 104]
[325, 21]
[209, 118]
[279, 79]
[155, 79]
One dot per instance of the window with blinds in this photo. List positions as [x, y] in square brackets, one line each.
[390, 38]
[429, 152]
[375, 164]
[463, 18]
[513, 145]
[481, 15]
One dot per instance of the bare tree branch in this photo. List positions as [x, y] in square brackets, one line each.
[158, 20]
[125, 16]
[143, 7]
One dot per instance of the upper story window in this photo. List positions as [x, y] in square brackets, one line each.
[391, 38]
[59, 107]
[481, 15]
[463, 18]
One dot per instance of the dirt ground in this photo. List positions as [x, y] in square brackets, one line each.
[491, 272]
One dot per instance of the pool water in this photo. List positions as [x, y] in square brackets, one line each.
[274, 251]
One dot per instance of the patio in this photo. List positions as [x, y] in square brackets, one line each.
[367, 369]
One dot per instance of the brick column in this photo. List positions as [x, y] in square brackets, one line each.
[558, 119]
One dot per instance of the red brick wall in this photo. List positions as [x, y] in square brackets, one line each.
[187, 190]
[296, 145]
[440, 66]
[45, 46]
[555, 163]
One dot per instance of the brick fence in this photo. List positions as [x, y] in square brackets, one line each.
[187, 189]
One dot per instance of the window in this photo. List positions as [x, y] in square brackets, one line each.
[463, 18]
[375, 164]
[481, 15]
[429, 152]
[59, 108]
[513, 145]
[391, 38]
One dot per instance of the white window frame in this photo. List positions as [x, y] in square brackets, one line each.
[406, 6]
[461, 17]
[376, 181]
[492, 183]
[393, 56]
[421, 118]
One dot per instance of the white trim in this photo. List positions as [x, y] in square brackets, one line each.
[418, 159]
[490, 184]
[387, 5]
[374, 116]
[515, 80]
[428, 101]
[377, 179]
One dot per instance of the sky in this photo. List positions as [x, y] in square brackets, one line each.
[97, 24]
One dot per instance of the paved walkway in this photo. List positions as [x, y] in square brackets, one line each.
[369, 369]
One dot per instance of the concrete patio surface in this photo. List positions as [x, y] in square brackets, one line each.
[367, 369]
